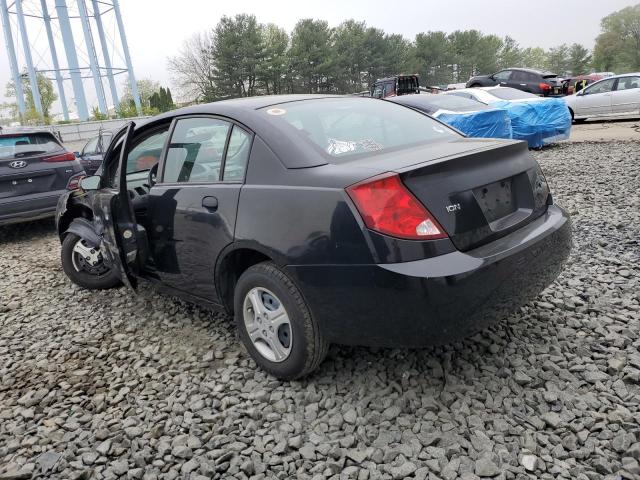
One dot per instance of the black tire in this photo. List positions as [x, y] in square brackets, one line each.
[83, 278]
[308, 345]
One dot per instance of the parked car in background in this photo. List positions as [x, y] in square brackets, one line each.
[538, 121]
[473, 118]
[35, 169]
[538, 82]
[575, 84]
[395, 86]
[617, 95]
[316, 219]
[91, 154]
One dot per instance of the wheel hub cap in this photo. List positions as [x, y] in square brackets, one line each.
[267, 324]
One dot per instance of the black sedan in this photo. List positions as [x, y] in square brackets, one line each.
[318, 220]
[91, 154]
[538, 82]
[35, 169]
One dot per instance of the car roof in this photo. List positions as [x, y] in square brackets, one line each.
[622, 75]
[23, 130]
[532, 70]
[244, 112]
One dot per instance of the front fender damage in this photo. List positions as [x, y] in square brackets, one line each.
[85, 229]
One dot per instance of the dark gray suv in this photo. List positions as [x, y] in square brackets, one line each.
[35, 169]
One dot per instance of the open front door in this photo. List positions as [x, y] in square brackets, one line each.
[124, 242]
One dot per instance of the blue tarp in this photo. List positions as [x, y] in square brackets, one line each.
[540, 122]
[494, 123]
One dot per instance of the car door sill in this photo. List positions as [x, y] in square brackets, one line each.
[176, 292]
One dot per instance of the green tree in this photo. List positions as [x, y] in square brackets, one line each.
[579, 59]
[558, 59]
[510, 55]
[534, 58]
[618, 46]
[398, 55]
[432, 58]
[47, 97]
[312, 69]
[350, 55]
[97, 115]
[237, 53]
[146, 88]
[273, 69]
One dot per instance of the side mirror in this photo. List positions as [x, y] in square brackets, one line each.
[90, 183]
[77, 154]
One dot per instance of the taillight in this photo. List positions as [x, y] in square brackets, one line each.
[545, 86]
[62, 157]
[386, 206]
[74, 182]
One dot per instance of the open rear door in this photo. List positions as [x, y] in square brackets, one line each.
[124, 241]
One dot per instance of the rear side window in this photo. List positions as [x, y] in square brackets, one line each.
[19, 145]
[237, 155]
[196, 150]
[628, 83]
[343, 127]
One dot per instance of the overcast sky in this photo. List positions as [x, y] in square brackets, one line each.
[157, 28]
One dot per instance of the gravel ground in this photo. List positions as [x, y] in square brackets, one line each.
[108, 385]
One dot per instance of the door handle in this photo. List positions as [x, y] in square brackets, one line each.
[210, 203]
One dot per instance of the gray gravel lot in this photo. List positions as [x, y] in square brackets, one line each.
[108, 385]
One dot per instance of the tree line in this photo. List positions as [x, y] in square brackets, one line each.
[241, 57]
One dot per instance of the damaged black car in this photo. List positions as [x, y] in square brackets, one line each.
[316, 220]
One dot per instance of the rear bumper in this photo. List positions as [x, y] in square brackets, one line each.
[439, 299]
[29, 207]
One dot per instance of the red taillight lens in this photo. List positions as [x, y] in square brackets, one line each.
[545, 86]
[62, 157]
[74, 182]
[386, 206]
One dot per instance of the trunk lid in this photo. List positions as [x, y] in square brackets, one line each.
[478, 190]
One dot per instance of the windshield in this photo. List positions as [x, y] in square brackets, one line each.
[506, 93]
[342, 127]
[18, 145]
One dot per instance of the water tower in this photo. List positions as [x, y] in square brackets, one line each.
[91, 38]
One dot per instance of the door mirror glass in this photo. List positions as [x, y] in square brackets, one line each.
[90, 183]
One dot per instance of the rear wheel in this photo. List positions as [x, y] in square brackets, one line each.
[85, 266]
[275, 324]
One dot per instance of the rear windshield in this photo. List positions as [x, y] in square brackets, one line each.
[20, 145]
[506, 93]
[342, 127]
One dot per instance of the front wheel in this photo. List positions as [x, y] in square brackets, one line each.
[85, 266]
[275, 324]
